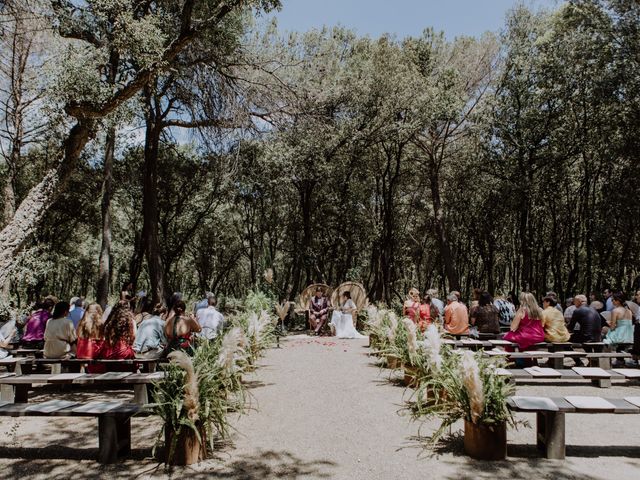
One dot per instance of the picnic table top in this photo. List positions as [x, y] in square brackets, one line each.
[64, 408]
[575, 404]
[82, 378]
[536, 373]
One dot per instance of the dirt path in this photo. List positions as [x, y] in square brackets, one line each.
[323, 409]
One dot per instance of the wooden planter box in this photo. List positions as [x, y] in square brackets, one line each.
[188, 449]
[485, 442]
[410, 376]
[393, 362]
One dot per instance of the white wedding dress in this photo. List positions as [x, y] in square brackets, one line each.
[343, 322]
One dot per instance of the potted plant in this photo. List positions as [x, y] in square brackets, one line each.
[196, 394]
[467, 387]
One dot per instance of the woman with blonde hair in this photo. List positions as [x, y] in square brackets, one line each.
[90, 332]
[412, 305]
[526, 327]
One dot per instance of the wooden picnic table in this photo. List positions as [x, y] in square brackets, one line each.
[550, 415]
[15, 388]
[114, 421]
[600, 378]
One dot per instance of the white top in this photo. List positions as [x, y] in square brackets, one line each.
[348, 305]
[211, 321]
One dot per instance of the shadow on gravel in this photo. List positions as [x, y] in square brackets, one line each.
[587, 451]
[270, 464]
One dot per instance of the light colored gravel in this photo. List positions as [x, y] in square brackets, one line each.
[323, 409]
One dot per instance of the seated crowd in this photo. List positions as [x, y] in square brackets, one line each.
[611, 321]
[132, 328]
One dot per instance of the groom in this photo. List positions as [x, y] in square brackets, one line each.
[318, 311]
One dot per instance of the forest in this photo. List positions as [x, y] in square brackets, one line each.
[193, 146]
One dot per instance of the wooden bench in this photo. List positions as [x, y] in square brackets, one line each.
[600, 378]
[114, 421]
[59, 365]
[15, 388]
[550, 416]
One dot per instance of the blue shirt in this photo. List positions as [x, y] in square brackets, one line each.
[609, 304]
[201, 304]
[76, 315]
[150, 334]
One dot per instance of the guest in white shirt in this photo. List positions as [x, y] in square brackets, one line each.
[210, 319]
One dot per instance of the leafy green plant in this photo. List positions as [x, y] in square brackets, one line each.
[197, 393]
[464, 385]
[258, 301]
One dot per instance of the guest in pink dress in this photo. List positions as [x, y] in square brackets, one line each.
[412, 305]
[526, 328]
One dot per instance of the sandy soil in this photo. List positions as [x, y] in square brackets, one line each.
[321, 408]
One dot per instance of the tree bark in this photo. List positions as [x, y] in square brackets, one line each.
[441, 233]
[150, 231]
[104, 275]
[34, 207]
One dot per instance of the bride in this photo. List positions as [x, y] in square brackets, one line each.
[342, 318]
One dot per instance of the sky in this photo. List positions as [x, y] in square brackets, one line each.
[402, 17]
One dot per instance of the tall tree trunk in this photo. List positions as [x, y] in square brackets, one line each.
[104, 275]
[150, 231]
[441, 233]
[33, 208]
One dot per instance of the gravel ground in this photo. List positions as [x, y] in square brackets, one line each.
[321, 408]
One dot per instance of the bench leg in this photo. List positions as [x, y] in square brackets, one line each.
[140, 394]
[6, 393]
[56, 369]
[601, 382]
[603, 363]
[114, 437]
[550, 430]
[555, 363]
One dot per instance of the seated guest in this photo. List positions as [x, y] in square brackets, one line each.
[204, 303]
[427, 313]
[554, 295]
[526, 328]
[568, 312]
[621, 323]
[90, 332]
[59, 333]
[150, 339]
[506, 309]
[34, 328]
[586, 323]
[77, 312]
[318, 310]
[118, 337]
[485, 316]
[412, 305]
[5, 340]
[179, 328]
[555, 329]
[456, 316]
[433, 293]
[210, 319]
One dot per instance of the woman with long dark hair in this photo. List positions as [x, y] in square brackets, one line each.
[118, 335]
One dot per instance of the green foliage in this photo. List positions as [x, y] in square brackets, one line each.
[443, 393]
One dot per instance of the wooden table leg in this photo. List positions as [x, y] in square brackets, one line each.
[601, 382]
[6, 393]
[550, 430]
[140, 394]
[21, 393]
[114, 437]
[555, 363]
